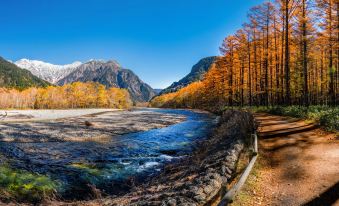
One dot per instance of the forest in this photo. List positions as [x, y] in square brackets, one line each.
[75, 95]
[286, 53]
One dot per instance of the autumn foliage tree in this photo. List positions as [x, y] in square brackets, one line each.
[286, 53]
[75, 95]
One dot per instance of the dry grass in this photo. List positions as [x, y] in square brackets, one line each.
[250, 189]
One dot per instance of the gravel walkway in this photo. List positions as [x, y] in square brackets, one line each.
[298, 165]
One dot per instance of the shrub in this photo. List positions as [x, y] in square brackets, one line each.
[330, 120]
[25, 186]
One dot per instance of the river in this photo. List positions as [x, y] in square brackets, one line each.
[110, 163]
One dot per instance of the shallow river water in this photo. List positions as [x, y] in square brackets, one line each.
[103, 164]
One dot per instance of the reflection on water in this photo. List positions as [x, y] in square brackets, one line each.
[119, 158]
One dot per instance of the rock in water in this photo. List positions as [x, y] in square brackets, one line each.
[89, 124]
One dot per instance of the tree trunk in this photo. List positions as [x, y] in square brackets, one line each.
[276, 62]
[249, 71]
[287, 55]
[304, 42]
[330, 65]
[266, 58]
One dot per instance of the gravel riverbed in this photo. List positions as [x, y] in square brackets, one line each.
[79, 125]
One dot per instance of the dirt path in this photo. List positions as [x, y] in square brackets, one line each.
[298, 165]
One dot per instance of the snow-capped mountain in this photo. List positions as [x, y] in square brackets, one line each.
[111, 74]
[47, 71]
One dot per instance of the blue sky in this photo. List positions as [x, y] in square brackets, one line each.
[159, 40]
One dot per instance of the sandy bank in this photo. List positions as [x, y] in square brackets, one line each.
[38, 115]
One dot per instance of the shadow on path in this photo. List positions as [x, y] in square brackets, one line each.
[300, 162]
[329, 197]
[289, 131]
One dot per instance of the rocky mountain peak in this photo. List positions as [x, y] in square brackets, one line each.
[47, 71]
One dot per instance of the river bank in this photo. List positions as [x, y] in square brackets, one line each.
[12, 115]
[198, 179]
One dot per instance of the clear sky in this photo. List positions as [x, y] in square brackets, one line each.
[159, 40]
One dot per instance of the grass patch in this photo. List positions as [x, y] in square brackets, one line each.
[90, 169]
[89, 173]
[21, 185]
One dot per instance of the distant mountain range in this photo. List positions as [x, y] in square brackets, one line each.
[49, 72]
[108, 73]
[26, 73]
[12, 76]
[196, 74]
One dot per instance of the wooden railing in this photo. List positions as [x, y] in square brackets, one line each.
[228, 198]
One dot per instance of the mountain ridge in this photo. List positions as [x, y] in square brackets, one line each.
[197, 72]
[12, 76]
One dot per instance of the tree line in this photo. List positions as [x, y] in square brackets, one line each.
[75, 95]
[286, 53]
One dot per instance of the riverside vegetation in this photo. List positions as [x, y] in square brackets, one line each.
[74, 95]
[21, 185]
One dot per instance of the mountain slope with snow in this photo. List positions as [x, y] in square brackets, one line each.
[46, 71]
[11, 76]
[111, 74]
